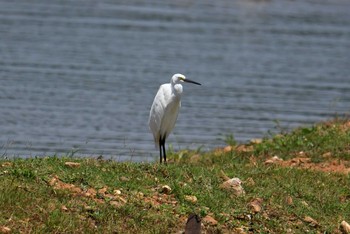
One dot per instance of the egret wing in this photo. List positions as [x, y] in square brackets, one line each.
[156, 113]
[170, 117]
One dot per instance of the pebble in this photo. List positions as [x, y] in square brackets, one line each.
[210, 220]
[256, 205]
[235, 185]
[192, 199]
[345, 227]
[166, 189]
[4, 229]
[273, 160]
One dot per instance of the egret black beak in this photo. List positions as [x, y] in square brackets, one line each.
[191, 81]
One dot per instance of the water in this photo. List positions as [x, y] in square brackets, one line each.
[80, 76]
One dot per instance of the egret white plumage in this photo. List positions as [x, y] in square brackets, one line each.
[165, 109]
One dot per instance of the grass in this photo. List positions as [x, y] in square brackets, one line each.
[47, 195]
[329, 137]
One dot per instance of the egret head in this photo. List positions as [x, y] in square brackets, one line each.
[179, 78]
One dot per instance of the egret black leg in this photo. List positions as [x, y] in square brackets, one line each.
[160, 149]
[164, 153]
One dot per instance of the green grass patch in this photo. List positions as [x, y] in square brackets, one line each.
[315, 141]
[44, 195]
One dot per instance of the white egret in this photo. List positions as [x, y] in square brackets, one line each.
[165, 109]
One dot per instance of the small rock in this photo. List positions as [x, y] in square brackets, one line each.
[228, 149]
[102, 190]
[311, 221]
[117, 192]
[256, 141]
[6, 164]
[4, 229]
[192, 199]
[240, 230]
[244, 148]
[124, 179]
[300, 160]
[210, 220]
[72, 164]
[53, 180]
[91, 192]
[166, 189]
[327, 155]
[4, 172]
[256, 205]
[304, 203]
[289, 200]
[140, 195]
[235, 185]
[345, 227]
[273, 160]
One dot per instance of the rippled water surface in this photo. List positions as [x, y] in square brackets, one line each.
[80, 76]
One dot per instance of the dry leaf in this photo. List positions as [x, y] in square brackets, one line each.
[122, 200]
[250, 181]
[6, 164]
[72, 164]
[115, 204]
[195, 158]
[102, 190]
[304, 203]
[223, 175]
[89, 208]
[90, 192]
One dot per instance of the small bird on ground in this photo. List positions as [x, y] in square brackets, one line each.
[165, 109]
